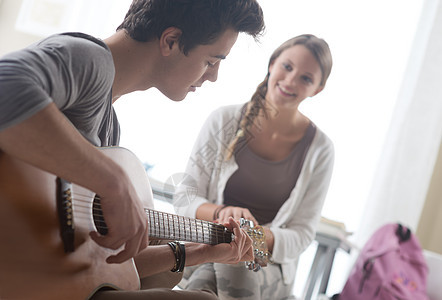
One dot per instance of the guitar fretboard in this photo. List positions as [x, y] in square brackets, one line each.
[167, 226]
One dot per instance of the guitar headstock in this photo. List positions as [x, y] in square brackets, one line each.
[260, 250]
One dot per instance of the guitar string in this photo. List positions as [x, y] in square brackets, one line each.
[203, 229]
[98, 208]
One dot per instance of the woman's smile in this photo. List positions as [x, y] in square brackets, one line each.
[285, 92]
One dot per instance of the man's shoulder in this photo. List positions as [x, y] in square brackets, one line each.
[81, 53]
[82, 37]
[72, 38]
[61, 48]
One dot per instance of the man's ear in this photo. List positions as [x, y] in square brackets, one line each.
[169, 40]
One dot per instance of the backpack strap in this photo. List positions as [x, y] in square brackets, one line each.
[403, 236]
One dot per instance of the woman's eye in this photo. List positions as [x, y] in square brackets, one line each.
[287, 67]
[307, 79]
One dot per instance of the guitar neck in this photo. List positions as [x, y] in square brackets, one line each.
[165, 226]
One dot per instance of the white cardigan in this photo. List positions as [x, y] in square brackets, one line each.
[295, 223]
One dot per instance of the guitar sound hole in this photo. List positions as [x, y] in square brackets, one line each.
[97, 214]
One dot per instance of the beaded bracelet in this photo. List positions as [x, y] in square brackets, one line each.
[179, 250]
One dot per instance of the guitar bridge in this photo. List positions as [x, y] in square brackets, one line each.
[65, 214]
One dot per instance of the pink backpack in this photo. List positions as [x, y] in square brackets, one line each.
[390, 266]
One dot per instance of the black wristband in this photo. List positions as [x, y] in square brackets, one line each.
[179, 252]
[173, 247]
[182, 255]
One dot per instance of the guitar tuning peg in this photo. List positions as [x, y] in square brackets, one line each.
[244, 222]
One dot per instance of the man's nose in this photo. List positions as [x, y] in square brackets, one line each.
[212, 73]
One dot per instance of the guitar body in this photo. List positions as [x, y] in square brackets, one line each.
[33, 263]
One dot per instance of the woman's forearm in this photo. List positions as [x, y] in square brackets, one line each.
[205, 211]
[269, 239]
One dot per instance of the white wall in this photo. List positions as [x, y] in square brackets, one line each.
[10, 38]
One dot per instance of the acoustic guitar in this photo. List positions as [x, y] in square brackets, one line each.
[46, 251]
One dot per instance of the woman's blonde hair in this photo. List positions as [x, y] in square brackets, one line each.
[319, 49]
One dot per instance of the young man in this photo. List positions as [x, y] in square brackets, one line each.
[56, 107]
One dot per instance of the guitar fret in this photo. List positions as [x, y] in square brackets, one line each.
[196, 231]
[202, 229]
[190, 230]
[208, 240]
[174, 225]
[150, 217]
[153, 223]
[163, 225]
[166, 226]
[218, 238]
[200, 232]
[172, 218]
[214, 233]
[162, 220]
[181, 228]
[171, 232]
[178, 223]
[158, 221]
[186, 229]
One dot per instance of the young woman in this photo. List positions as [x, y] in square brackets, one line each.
[267, 162]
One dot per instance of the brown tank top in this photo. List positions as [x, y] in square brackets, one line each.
[263, 186]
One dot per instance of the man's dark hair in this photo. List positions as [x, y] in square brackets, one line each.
[201, 21]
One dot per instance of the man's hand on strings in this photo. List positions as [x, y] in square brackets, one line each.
[126, 222]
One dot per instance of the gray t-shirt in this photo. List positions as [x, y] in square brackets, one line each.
[75, 71]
